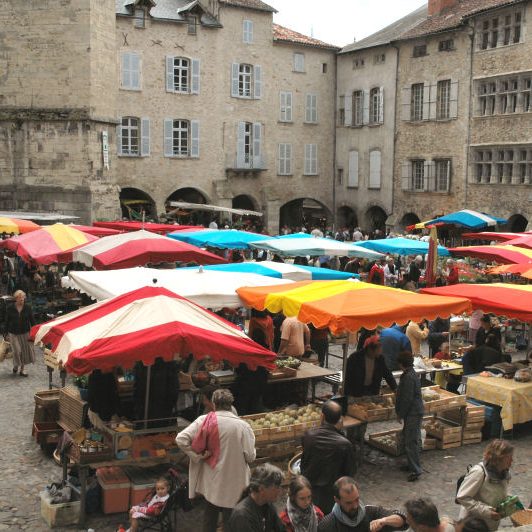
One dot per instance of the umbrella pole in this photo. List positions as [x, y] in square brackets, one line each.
[147, 398]
[345, 352]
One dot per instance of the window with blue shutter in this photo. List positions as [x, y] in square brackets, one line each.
[145, 137]
[257, 145]
[285, 106]
[311, 108]
[130, 77]
[257, 81]
[195, 82]
[194, 138]
[247, 31]
[352, 178]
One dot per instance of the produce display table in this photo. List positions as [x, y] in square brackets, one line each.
[514, 398]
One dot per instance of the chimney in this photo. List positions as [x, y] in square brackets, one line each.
[437, 6]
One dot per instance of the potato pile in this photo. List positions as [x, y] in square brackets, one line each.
[289, 362]
[286, 417]
[429, 395]
[434, 424]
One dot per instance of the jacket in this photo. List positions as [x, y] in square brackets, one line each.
[479, 492]
[416, 335]
[18, 323]
[479, 358]
[408, 400]
[393, 341]
[249, 517]
[285, 518]
[331, 524]
[355, 373]
[436, 338]
[327, 456]
[223, 484]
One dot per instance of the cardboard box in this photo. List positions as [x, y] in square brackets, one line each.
[116, 487]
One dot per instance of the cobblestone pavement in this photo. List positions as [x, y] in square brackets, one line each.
[26, 469]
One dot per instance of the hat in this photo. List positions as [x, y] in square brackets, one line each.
[371, 341]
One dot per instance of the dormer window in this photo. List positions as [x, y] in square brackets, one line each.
[192, 24]
[140, 18]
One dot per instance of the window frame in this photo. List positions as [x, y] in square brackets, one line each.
[310, 167]
[285, 109]
[139, 22]
[192, 25]
[181, 153]
[311, 108]
[247, 31]
[443, 99]
[417, 102]
[419, 50]
[374, 105]
[504, 29]
[298, 63]
[442, 166]
[129, 127]
[358, 108]
[416, 177]
[131, 72]
[502, 165]
[285, 159]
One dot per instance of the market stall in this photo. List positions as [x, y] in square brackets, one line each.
[401, 246]
[17, 226]
[162, 229]
[219, 238]
[144, 325]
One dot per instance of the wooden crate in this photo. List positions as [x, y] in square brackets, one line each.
[445, 431]
[282, 373]
[50, 359]
[446, 401]
[473, 415]
[359, 409]
[450, 445]
[429, 444]
[72, 410]
[392, 447]
[88, 458]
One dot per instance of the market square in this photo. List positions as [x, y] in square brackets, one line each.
[266, 266]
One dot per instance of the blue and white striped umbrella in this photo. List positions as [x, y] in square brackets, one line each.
[469, 219]
[280, 270]
[223, 238]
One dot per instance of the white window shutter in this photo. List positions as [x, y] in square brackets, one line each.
[308, 108]
[306, 165]
[288, 158]
[289, 107]
[348, 109]
[448, 176]
[168, 137]
[426, 100]
[406, 103]
[427, 174]
[365, 107]
[170, 87]
[194, 138]
[433, 102]
[453, 103]
[282, 107]
[240, 145]
[257, 145]
[234, 79]
[145, 137]
[280, 169]
[257, 82]
[195, 81]
[381, 105]
[375, 169]
[314, 158]
[352, 179]
[406, 176]
[126, 70]
[315, 107]
[135, 71]
[119, 138]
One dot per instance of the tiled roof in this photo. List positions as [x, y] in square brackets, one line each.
[282, 34]
[389, 33]
[453, 17]
[250, 4]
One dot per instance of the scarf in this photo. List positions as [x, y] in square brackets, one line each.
[208, 439]
[302, 520]
[494, 474]
[352, 522]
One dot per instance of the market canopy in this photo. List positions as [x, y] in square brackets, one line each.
[219, 238]
[524, 270]
[211, 289]
[138, 248]
[464, 218]
[301, 247]
[143, 325]
[348, 305]
[401, 246]
[96, 231]
[281, 270]
[524, 241]
[17, 226]
[52, 243]
[510, 300]
[498, 237]
[504, 254]
[161, 229]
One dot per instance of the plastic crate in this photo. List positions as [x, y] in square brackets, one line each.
[61, 514]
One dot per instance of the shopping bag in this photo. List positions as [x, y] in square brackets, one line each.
[5, 350]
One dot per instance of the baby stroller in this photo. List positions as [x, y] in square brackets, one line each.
[166, 521]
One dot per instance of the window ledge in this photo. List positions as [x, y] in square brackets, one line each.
[244, 97]
[289, 122]
[299, 71]
[186, 93]
[130, 155]
[444, 120]
[498, 48]
[130, 90]
[352, 186]
[181, 157]
[374, 188]
[375, 124]
[285, 175]
[311, 175]
[310, 123]
[505, 115]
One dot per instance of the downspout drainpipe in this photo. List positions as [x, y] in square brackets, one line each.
[470, 111]
[335, 103]
[395, 132]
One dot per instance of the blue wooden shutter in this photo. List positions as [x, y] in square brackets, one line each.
[235, 67]
[126, 70]
[195, 141]
[145, 137]
[195, 85]
[240, 146]
[168, 137]
[257, 145]
[170, 87]
[257, 81]
[135, 71]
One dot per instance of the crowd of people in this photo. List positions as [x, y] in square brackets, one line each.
[325, 496]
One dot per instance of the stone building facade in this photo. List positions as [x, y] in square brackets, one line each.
[115, 104]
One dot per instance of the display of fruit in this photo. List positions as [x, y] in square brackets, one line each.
[429, 395]
[286, 417]
[289, 362]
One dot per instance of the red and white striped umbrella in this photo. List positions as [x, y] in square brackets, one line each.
[143, 325]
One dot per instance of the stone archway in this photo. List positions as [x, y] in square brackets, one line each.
[409, 219]
[517, 223]
[189, 217]
[135, 203]
[305, 212]
[247, 222]
[243, 201]
[376, 219]
[346, 217]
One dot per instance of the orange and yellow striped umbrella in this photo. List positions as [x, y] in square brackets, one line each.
[17, 226]
[44, 245]
[503, 254]
[524, 270]
[348, 306]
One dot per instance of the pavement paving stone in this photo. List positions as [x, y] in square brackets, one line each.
[26, 469]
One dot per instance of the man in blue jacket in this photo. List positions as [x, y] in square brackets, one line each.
[409, 409]
[393, 341]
